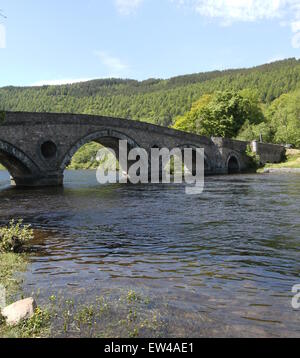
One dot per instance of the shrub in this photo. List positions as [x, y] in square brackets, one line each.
[254, 159]
[14, 236]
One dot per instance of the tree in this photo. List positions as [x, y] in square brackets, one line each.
[222, 114]
[188, 122]
[284, 118]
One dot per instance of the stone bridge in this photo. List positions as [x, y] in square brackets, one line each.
[36, 148]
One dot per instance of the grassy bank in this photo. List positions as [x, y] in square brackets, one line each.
[292, 161]
[13, 261]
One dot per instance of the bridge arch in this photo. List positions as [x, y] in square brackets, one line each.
[233, 164]
[207, 161]
[18, 164]
[108, 138]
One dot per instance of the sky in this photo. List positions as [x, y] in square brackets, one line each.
[67, 41]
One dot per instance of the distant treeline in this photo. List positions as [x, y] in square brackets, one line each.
[154, 101]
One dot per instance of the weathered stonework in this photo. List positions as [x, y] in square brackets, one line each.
[37, 147]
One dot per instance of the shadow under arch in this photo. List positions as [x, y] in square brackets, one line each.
[17, 163]
[108, 138]
[233, 164]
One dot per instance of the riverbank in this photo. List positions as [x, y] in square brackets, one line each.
[290, 165]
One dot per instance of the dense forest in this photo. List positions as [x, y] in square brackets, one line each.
[153, 100]
[241, 103]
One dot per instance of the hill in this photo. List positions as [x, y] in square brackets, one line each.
[154, 100]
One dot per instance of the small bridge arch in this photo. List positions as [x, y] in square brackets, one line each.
[233, 163]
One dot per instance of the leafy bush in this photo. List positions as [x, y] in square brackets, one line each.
[14, 236]
[253, 158]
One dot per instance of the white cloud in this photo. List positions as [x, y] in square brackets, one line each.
[296, 40]
[127, 7]
[295, 26]
[114, 65]
[239, 10]
[60, 82]
[229, 11]
[2, 36]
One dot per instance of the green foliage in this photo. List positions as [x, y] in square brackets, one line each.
[9, 264]
[222, 114]
[14, 236]
[154, 101]
[254, 159]
[250, 132]
[284, 119]
[85, 158]
[189, 122]
[36, 326]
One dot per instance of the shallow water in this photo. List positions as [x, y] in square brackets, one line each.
[219, 264]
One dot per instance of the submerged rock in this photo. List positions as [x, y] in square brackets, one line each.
[19, 311]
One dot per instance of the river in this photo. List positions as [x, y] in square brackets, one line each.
[221, 264]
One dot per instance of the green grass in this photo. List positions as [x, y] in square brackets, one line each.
[39, 324]
[10, 263]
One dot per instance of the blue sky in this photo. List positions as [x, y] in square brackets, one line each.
[67, 41]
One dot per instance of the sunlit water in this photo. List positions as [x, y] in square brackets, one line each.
[230, 255]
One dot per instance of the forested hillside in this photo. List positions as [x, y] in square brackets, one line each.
[153, 100]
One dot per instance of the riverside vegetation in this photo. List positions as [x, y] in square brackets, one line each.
[13, 259]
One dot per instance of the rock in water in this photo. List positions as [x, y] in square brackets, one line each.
[19, 311]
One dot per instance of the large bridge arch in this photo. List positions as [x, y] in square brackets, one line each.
[18, 164]
[108, 138]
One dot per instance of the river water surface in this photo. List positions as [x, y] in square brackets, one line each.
[219, 264]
